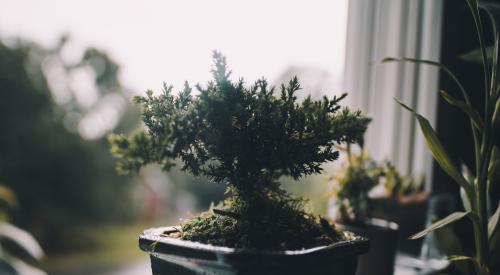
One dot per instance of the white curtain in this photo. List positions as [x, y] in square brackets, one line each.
[397, 28]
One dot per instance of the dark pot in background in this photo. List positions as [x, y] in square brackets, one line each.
[409, 212]
[174, 256]
[383, 237]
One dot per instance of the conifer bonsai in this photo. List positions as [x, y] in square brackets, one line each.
[246, 138]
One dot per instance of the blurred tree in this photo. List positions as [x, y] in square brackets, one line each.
[62, 179]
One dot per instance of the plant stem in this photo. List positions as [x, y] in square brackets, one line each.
[481, 223]
[481, 231]
[477, 241]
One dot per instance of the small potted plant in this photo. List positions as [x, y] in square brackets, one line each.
[353, 205]
[402, 200]
[246, 138]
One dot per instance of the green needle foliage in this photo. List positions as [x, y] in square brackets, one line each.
[247, 138]
[485, 129]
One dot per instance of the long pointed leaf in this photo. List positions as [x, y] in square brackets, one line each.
[454, 258]
[494, 168]
[23, 240]
[466, 108]
[438, 151]
[496, 117]
[493, 11]
[460, 258]
[453, 217]
[493, 222]
[474, 8]
[465, 200]
[475, 56]
[21, 267]
[467, 174]
[494, 71]
[494, 237]
[432, 63]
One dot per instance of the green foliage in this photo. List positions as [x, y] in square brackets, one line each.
[240, 135]
[61, 180]
[400, 185]
[360, 177]
[438, 151]
[246, 137]
[453, 217]
[485, 129]
[476, 56]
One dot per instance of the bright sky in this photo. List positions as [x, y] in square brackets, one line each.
[156, 41]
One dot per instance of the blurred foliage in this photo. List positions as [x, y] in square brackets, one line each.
[18, 248]
[353, 187]
[118, 249]
[62, 180]
[362, 174]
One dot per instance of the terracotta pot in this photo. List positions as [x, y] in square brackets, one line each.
[174, 256]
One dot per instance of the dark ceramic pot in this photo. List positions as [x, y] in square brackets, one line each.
[410, 213]
[383, 237]
[174, 256]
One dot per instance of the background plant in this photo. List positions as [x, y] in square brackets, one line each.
[485, 128]
[352, 190]
[362, 174]
[247, 138]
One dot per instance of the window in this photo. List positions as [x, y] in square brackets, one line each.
[381, 28]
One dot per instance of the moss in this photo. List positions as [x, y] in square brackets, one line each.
[280, 223]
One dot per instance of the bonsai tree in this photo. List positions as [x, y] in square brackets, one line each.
[246, 138]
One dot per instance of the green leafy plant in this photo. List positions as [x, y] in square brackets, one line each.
[485, 127]
[247, 138]
[397, 185]
[352, 188]
[363, 174]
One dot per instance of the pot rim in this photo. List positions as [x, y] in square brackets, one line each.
[154, 240]
[373, 222]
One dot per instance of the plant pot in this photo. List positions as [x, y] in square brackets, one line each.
[174, 256]
[383, 237]
[409, 212]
